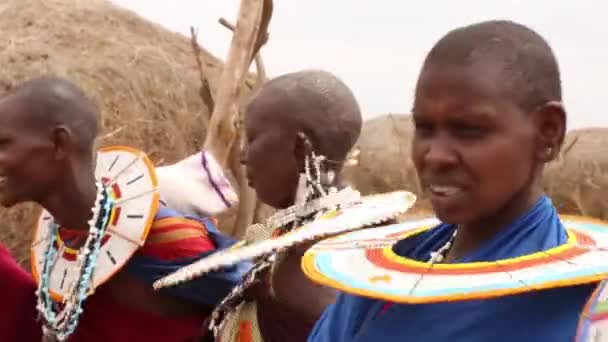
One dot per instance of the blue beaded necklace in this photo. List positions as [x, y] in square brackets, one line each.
[61, 322]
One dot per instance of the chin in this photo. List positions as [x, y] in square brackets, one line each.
[281, 204]
[274, 202]
[452, 215]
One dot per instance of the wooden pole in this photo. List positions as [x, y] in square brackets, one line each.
[223, 128]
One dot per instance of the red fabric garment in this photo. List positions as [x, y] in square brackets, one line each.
[106, 320]
[173, 238]
[18, 314]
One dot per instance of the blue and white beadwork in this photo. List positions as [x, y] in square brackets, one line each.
[61, 323]
[124, 210]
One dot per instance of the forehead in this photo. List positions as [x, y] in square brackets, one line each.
[481, 82]
[16, 121]
[13, 114]
[264, 116]
[473, 94]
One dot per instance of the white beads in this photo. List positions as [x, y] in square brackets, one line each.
[309, 200]
[61, 324]
[441, 253]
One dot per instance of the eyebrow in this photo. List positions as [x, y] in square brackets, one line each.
[483, 111]
[478, 112]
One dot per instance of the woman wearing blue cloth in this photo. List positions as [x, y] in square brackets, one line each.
[488, 116]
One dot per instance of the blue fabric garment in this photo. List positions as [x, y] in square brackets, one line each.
[541, 316]
[209, 289]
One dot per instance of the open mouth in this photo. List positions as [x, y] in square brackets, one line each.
[2, 180]
[444, 190]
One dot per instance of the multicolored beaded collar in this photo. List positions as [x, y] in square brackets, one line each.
[122, 215]
[364, 263]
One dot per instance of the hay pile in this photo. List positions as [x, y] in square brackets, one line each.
[384, 164]
[143, 77]
[577, 182]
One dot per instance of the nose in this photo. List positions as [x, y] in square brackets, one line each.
[440, 154]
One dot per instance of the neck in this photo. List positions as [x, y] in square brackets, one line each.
[71, 202]
[472, 235]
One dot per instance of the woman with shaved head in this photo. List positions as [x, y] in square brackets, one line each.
[488, 116]
[290, 117]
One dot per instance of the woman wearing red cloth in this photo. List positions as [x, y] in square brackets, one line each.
[105, 236]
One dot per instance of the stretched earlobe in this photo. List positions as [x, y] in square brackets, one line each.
[61, 139]
[303, 147]
[551, 129]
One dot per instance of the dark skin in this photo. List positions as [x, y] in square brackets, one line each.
[479, 155]
[46, 164]
[273, 141]
[66, 188]
[270, 143]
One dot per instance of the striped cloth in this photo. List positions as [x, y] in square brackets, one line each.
[176, 240]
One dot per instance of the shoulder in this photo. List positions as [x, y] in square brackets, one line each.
[174, 235]
[342, 320]
[167, 215]
[14, 275]
[168, 220]
[18, 314]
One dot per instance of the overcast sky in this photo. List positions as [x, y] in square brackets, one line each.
[378, 49]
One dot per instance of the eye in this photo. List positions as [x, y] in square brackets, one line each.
[468, 131]
[423, 129]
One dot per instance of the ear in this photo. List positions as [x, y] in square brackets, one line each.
[550, 120]
[302, 148]
[62, 139]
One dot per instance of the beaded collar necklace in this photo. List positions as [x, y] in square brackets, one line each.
[60, 319]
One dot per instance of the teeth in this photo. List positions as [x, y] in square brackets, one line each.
[445, 190]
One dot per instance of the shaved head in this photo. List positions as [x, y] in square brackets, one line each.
[488, 116]
[49, 102]
[47, 131]
[313, 102]
[528, 67]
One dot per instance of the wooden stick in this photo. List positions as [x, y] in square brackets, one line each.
[223, 125]
[259, 62]
[247, 196]
[205, 89]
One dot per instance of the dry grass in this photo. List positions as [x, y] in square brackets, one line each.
[577, 180]
[143, 77]
[383, 163]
